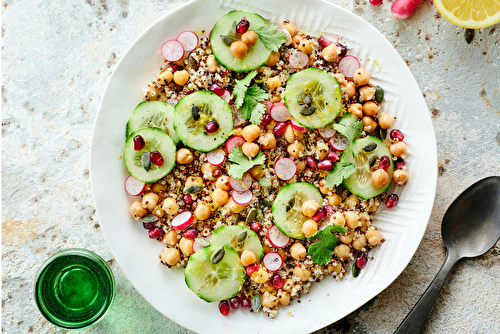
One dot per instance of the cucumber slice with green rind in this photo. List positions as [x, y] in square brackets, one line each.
[213, 282]
[324, 92]
[360, 183]
[257, 54]
[211, 108]
[227, 235]
[157, 114]
[156, 140]
[287, 207]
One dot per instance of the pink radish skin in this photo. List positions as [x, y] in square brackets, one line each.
[243, 197]
[327, 132]
[298, 59]
[216, 158]
[285, 168]
[296, 126]
[402, 9]
[227, 96]
[280, 113]
[188, 39]
[182, 220]
[172, 102]
[276, 237]
[234, 141]
[268, 104]
[243, 185]
[172, 50]
[288, 36]
[348, 65]
[133, 186]
[339, 142]
[272, 261]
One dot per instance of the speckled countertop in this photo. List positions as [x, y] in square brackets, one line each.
[56, 59]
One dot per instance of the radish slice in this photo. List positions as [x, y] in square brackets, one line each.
[285, 168]
[216, 157]
[323, 41]
[200, 243]
[272, 261]
[227, 96]
[348, 65]
[288, 36]
[172, 102]
[298, 59]
[242, 197]
[268, 104]
[296, 126]
[327, 132]
[172, 50]
[339, 142]
[276, 238]
[182, 220]
[243, 185]
[133, 186]
[188, 39]
[234, 141]
[280, 113]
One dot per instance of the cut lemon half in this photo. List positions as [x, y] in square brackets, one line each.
[473, 14]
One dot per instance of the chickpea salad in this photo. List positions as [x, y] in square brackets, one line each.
[259, 157]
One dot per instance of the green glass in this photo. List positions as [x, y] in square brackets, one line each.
[74, 289]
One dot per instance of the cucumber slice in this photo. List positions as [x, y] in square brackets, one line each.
[226, 235]
[256, 55]
[287, 207]
[156, 140]
[211, 108]
[360, 183]
[157, 114]
[313, 97]
[213, 282]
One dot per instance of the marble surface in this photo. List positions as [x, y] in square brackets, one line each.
[56, 59]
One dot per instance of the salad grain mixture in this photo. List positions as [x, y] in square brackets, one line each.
[261, 155]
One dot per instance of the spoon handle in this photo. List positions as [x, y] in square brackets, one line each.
[415, 320]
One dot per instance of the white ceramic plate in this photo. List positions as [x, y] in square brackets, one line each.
[403, 227]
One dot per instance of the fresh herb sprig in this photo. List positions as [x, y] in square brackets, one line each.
[248, 97]
[272, 38]
[241, 163]
[349, 126]
[321, 250]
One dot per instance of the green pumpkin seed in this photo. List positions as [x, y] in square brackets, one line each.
[382, 133]
[195, 112]
[193, 63]
[265, 183]
[193, 188]
[226, 40]
[149, 218]
[379, 94]
[251, 215]
[260, 216]
[370, 147]
[218, 255]
[256, 302]
[146, 160]
[372, 160]
[355, 270]
[307, 110]
[202, 242]
[265, 201]
[241, 237]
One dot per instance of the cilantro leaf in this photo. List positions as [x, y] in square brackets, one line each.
[349, 126]
[321, 250]
[340, 171]
[257, 113]
[241, 163]
[252, 109]
[240, 89]
[272, 38]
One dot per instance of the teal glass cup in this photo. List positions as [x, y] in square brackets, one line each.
[74, 289]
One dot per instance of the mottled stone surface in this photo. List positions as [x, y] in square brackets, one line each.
[57, 57]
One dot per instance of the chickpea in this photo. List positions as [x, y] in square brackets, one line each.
[170, 256]
[373, 236]
[238, 49]
[202, 211]
[342, 251]
[283, 254]
[266, 287]
[251, 132]
[380, 178]
[309, 208]
[334, 199]
[340, 79]
[212, 64]
[298, 251]
[193, 180]
[356, 109]
[296, 149]
[322, 187]
[271, 125]
[335, 268]
[296, 40]
[223, 183]
[291, 134]
[359, 243]
[369, 124]
[273, 59]
[269, 300]
[385, 121]
[337, 219]
[219, 197]
[288, 285]
[164, 77]
[170, 206]
[398, 149]
[366, 93]
[352, 202]
[306, 46]
[273, 83]
[208, 168]
[301, 165]
[303, 274]
[150, 200]
[261, 276]
[181, 77]
[248, 257]
[284, 298]
[400, 176]
[184, 156]
[292, 29]
[352, 219]
[150, 93]
[346, 238]
[370, 108]
[137, 210]
[186, 246]
[350, 89]
[373, 207]
[257, 172]
[321, 150]
[171, 238]
[365, 220]
[309, 227]
[233, 207]
[267, 249]
[361, 77]
[330, 53]
[250, 149]
[250, 37]
[157, 187]
[275, 98]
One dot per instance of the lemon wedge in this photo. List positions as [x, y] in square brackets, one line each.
[473, 14]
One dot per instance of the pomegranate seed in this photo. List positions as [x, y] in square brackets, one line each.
[279, 129]
[190, 233]
[175, 67]
[155, 233]
[384, 162]
[324, 42]
[156, 158]
[320, 214]
[212, 126]
[332, 156]
[256, 226]
[277, 281]
[392, 201]
[234, 302]
[343, 49]
[148, 226]
[224, 308]
[397, 135]
[311, 163]
[328, 210]
[361, 260]
[252, 268]
[138, 143]
[242, 26]
[187, 199]
[217, 89]
[325, 165]
[266, 119]
[245, 303]
[399, 163]
[375, 2]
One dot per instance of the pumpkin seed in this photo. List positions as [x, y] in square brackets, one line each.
[226, 40]
[355, 270]
[193, 63]
[202, 242]
[265, 183]
[218, 255]
[256, 302]
[370, 147]
[260, 216]
[469, 35]
[193, 188]
[265, 201]
[383, 133]
[195, 112]
[149, 218]
[251, 215]
[241, 237]
[146, 160]
[372, 160]
[379, 94]
[307, 110]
